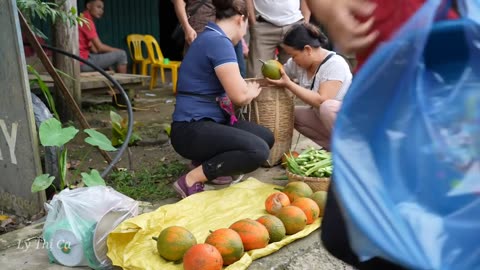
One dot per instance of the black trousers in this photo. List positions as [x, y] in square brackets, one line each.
[335, 239]
[223, 149]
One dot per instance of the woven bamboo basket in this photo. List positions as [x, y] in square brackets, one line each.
[273, 109]
[315, 183]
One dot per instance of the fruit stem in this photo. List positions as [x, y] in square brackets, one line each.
[263, 62]
[155, 238]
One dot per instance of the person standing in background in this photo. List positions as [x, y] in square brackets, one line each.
[269, 20]
[194, 15]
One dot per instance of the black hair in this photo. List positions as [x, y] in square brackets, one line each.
[300, 35]
[90, 1]
[225, 9]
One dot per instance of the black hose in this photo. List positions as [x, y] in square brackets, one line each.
[122, 91]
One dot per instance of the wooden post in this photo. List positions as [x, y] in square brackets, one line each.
[19, 154]
[65, 37]
[68, 98]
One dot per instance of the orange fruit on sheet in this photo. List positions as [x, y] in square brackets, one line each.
[173, 242]
[254, 235]
[202, 257]
[275, 202]
[228, 243]
[320, 197]
[293, 218]
[276, 229]
[309, 207]
[297, 189]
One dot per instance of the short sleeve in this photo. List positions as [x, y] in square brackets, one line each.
[89, 30]
[336, 69]
[221, 51]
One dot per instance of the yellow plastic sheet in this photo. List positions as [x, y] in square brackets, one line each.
[131, 247]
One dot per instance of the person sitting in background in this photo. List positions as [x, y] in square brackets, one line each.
[90, 45]
[204, 127]
[323, 80]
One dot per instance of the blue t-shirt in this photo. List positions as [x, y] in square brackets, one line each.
[212, 48]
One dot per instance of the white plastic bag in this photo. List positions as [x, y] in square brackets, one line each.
[78, 224]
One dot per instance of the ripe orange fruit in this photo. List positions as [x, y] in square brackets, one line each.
[274, 226]
[309, 207]
[173, 242]
[320, 197]
[254, 235]
[293, 218]
[202, 257]
[297, 189]
[228, 243]
[275, 202]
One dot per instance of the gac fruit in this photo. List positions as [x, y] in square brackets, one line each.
[271, 69]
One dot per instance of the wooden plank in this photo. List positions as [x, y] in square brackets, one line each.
[95, 80]
[19, 153]
[95, 73]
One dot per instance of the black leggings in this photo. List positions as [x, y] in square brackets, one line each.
[335, 239]
[223, 149]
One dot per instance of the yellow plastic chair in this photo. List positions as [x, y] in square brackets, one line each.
[134, 42]
[158, 62]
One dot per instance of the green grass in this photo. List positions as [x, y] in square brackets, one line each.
[150, 185]
[98, 108]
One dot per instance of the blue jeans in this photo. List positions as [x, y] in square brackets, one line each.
[241, 61]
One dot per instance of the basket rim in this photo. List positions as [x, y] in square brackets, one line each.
[307, 178]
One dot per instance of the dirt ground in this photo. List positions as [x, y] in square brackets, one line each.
[152, 111]
[153, 160]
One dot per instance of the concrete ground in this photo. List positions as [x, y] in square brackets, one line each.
[23, 249]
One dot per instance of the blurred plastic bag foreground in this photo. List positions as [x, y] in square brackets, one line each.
[407, 147]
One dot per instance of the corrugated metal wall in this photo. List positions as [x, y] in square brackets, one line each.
[123, 17]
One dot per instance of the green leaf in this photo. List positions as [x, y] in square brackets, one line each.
[93, 179]
[99, 139]
[45, 90]
[116, 118]
[42, 182]
[63, 167]
[168, 129]
[52, 133]
[134, 138]
[65, 74]
[119, 133]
